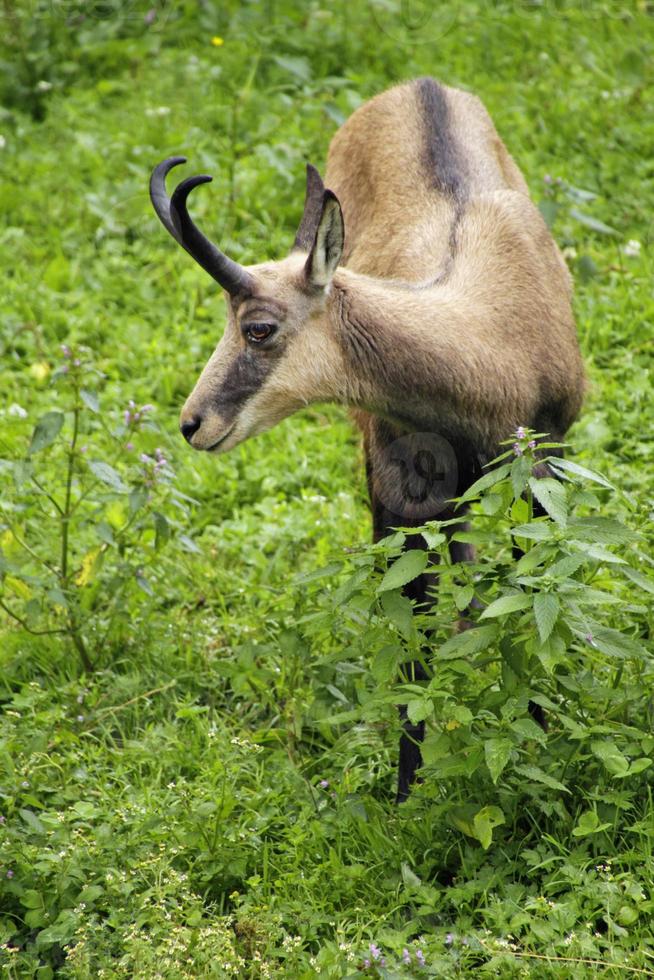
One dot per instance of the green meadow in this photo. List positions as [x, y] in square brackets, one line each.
[199, 655]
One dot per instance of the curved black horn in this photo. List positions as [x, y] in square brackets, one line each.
[174, 216]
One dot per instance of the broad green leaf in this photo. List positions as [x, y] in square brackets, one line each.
[90, 399]
[85, 809]
[538, 776]
[589, 823]
[46, 431]
[107, 474]
[601, 530]
[643, 581]
[384, 666]
[143, 584]
[565, 567]
[520, 470]
[433, 538]
[409, 877]
[593, 223]
[546, 611]
[31, 899]
[137, 498]
[161, 530]
[399, 610]
[549, 210]
[587, 268]
[611, 756]
[32, 821]
[527, 728]
[600, 553]
[297, 66]
[497, 752]
[486, 481]
[404, 569]
[462, 763]
[616, 644]
[463, 597]
[468, 642]
[485, 822]
[639, 765]
[536, 555]
[90, 893]
[188, 544]
[551, 496]
[436, 746]
[507, 604]
[535, 530]
[419, 709]
[567, 466]
[304, 578]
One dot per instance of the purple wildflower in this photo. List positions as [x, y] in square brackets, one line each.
[589, 638]
[521, 432]
[2, 818]
[366, 964]
[406, 957]
[449, 938]
[65, 350]
[76, 362]
[80, 718]
[150, 16]
[531, 444]
[517, 449]
[547, 179]
[25, 784]
[10, 873]
[420, 956]
[375, 951]
[129, 446]
[324, 783]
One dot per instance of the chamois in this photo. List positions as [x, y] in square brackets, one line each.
[423, 290]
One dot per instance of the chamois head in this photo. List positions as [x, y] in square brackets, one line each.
[275, 355]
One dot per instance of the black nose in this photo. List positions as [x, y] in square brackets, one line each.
[188, 428]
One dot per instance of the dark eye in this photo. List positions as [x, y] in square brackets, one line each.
[256, 333]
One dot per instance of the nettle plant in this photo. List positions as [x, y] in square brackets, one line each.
[84, 515]
[548, 623]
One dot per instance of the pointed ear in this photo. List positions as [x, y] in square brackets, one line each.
[312, 208]
[328, 244]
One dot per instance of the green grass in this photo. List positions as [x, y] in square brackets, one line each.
[164, 814]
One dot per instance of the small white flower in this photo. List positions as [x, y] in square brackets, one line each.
[3, 142]
[632, 248]
[160, 110]
[17, 411]
[43, 86]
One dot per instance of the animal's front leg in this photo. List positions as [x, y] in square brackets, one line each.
[410, 758]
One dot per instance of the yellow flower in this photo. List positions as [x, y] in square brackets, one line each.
[217, 41]
[40, 370]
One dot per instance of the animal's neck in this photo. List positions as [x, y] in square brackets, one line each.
[399, 354]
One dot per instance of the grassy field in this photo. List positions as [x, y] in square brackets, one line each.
[198, 655]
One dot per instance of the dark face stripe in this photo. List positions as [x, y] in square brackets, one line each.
[245, 376]
[446, 167]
